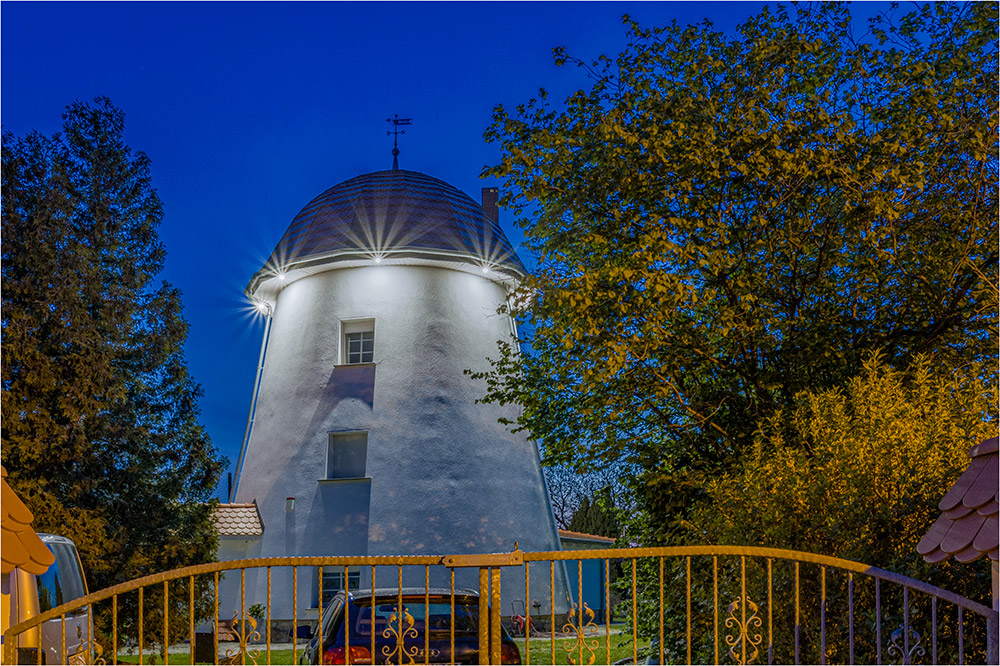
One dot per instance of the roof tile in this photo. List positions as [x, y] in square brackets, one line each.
[968, 525]
[958, 512]
[991, 445]
[242, 520]
[21, 547]
[962, 533]
[970, 554]
[985, 487]
[954, 497]
[989, 535]
[394, 211]
[932, 539]
[937, 555]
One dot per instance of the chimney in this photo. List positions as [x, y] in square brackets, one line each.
[490, 197]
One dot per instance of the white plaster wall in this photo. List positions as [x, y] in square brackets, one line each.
[235, 548]
[443, 477]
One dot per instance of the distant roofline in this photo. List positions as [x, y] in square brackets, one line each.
[583, 536]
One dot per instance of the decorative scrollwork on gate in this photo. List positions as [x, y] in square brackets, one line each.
[586, 628]
[743, 631]
[897, 647]
[99, 659]
[80, 658]
[396, 631]
[243, 631]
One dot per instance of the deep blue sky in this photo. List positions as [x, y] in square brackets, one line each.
[249, 110]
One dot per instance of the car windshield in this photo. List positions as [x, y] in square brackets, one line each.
[437, 616]
[63, 581]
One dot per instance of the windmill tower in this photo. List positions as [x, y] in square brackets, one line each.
[366, 437]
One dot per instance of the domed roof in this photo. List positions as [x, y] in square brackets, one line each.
[395, 216]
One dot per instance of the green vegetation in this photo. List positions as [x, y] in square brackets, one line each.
[741, 245]
[878, 456]
[541, 650]
[100, 417]
[596, 644]
[862, 482]
[596, 516]
[721, 225]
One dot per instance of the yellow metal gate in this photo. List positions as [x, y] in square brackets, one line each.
[710, 604]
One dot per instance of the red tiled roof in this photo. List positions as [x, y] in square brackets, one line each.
[239, 520]
[566, 534]
[21, 546]
[967, 528]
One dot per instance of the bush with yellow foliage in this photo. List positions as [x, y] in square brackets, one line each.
[857, 473]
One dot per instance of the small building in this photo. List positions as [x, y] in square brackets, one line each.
[588, 578]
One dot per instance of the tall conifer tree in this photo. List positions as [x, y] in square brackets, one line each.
[100, 416]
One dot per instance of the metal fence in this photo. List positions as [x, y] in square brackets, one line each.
[705, 604]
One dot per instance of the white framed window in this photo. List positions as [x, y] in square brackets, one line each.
[347, 455]
[357, 341]
[333, 582]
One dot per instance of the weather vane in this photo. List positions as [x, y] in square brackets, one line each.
[397, 122]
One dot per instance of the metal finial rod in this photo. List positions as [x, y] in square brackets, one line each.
[397, 122]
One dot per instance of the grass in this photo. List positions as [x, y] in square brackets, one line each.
[541, 652]
[541, 649]
[277, 657]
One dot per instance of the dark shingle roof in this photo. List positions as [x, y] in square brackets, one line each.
[396, 213]
[967, 527]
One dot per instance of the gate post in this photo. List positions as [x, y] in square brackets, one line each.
[489, 595]
[495, 604]
[489, 615]
[484, 614]
[992, 640]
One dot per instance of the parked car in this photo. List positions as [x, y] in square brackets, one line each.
[363, 611]
[28, 595]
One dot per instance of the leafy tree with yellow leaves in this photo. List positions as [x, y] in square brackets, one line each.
[723, 223]
[853, 472]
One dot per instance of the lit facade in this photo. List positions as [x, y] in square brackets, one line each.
[381, 294]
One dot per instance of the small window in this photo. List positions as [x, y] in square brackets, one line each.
[360, 347]
[348, 455]
[359, 341]
[333, 582]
